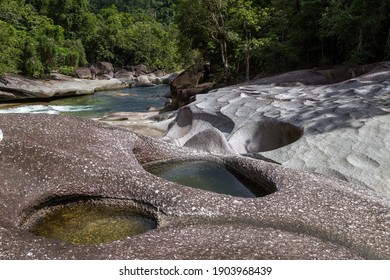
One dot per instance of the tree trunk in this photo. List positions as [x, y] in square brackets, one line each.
[225, 62]
[247, 66]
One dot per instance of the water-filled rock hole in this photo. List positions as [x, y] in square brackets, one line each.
[209, 176]
[91, 222]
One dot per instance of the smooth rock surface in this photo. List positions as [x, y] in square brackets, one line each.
[152, 123]
[19, 87]
[45, 159]
[341, 130]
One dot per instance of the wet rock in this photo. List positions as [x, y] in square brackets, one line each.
[151, 123]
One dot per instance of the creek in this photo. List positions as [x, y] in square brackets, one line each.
[138, 99]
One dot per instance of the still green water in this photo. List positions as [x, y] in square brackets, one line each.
[203, 175]
[92, 224]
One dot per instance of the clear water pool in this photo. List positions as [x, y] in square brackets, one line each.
[205, 175]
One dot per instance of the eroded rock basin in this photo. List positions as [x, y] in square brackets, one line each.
[206, 175]
[90, 222]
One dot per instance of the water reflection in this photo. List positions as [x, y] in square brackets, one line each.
[205, 175]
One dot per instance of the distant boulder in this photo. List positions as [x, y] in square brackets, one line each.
[191, 77]
[123, 75]
[143, 79]
[190, 82]
[159, 73]
[141, 70]
[103, 70]
[84, 73]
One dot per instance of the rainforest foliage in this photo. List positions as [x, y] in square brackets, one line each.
[238, 38]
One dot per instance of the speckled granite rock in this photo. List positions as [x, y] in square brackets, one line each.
[46, 158]
[342, 129]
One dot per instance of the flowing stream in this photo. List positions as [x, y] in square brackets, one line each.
[139, 99]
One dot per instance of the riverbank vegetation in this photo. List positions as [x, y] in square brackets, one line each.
[238, 38]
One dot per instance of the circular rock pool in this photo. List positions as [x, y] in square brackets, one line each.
[206, 175]
[90, 223]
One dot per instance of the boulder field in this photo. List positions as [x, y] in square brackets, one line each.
[50, 160]
[300, 120]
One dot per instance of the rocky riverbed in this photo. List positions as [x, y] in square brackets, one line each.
[271, 134]
[14, 88]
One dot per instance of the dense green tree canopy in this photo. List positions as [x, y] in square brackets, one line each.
[361, 28]
[34, 44]
[238, 37]
[160, 10]
[39, 36]
[226, 31]
[10, 43]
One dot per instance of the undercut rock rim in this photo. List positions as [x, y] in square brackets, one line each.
[258, 185]
[119, 208]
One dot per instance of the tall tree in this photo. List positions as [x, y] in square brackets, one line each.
[359, 28]
[160, 10]
[247, 24]
[205, 22]
[296, 30]
[236, 28]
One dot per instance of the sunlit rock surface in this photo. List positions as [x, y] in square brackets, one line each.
[15, 87]
[340, 129]
[48, 160]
